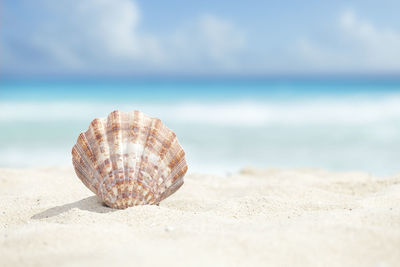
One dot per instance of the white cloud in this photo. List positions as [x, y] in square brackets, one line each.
[113, 25]
[105, 35]
[220, 38]
[359, 46]
[381, 46]
[208, 42]
[96, 32]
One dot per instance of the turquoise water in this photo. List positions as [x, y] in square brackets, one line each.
[223, 125]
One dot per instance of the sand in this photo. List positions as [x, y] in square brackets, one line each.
[302, 217]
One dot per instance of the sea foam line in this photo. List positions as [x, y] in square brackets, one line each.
[239, 112]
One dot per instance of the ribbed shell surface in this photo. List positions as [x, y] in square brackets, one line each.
[129, 159]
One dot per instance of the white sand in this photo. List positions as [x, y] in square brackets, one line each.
[276, 217]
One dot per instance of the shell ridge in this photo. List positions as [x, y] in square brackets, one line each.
[123, 150]
[140, 121]
[106, 149]
[110, 127]
[170, 140]
[138, 153]
[126, 153]
[91, 134]
[171, 189]
[132, 154]
[149, 150]
[95, 172]
[174, 178]
[82, 176]
[105, 183]
[159, 138]
[180, 154]
[179, 164]
[127, 160]
[162, 187]
[144, 151]
[89, 164]
[79, 168]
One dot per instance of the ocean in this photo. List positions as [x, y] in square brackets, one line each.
[223, 125]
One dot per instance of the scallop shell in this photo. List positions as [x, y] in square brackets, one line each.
[129, 159]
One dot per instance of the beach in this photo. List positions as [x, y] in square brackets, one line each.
[255, 217]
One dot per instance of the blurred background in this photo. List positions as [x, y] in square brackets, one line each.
[242, 83]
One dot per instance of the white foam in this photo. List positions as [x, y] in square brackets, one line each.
[242, 113]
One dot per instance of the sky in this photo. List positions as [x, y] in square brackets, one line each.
[176, 37]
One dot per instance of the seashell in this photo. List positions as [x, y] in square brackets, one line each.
[129, 159]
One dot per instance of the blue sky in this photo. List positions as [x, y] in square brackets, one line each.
[126, 37]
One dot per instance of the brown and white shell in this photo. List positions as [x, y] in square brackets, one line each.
[129, 159]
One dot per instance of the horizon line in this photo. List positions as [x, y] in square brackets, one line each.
[279, 77]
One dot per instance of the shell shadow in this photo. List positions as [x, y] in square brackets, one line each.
[92, 204]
